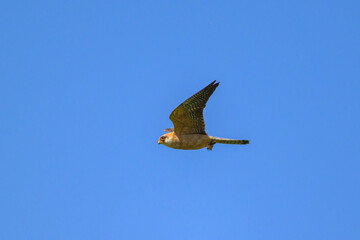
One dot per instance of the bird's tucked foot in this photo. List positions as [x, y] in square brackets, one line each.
[210, 146]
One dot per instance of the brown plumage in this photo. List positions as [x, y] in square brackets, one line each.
[189, 125]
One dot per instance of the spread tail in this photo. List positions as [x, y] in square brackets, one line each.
[229, 141]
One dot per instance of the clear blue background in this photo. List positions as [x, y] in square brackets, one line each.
[87, 88]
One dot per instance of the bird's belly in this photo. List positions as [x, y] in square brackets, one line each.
[190, 142]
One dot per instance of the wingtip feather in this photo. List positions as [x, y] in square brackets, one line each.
[214, 83]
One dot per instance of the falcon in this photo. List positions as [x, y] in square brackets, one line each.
[189, 126]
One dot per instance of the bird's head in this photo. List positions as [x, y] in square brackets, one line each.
[162, 139]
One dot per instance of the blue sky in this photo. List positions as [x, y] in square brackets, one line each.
[87, 88]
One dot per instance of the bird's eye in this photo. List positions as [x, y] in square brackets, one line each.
[162, 138]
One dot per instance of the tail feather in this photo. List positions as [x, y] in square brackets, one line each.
[229, 141]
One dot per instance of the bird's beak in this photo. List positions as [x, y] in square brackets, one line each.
[160, 141]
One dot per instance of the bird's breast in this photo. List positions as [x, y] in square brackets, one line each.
[189, 141]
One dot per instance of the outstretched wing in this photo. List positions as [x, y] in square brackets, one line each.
[188, 117]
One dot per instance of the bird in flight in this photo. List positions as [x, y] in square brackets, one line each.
[189, 125]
